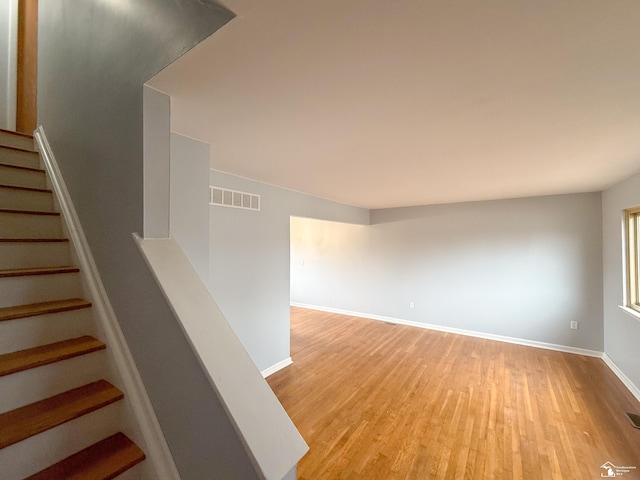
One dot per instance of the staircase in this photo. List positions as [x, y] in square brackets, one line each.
[60, 417]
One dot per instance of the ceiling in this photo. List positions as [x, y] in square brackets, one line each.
[414, 102]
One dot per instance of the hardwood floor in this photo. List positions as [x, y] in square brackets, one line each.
[381, 401]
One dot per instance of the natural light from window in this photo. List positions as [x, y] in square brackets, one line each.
[632, 258]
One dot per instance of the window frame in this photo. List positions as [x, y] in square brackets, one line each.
[632, 257]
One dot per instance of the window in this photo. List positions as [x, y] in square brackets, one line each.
[632, 227]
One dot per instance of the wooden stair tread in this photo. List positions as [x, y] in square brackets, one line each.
[29, 212]
[32, 240]
[18, 149]
[24, 422]
[104, 460]
[42, 308]
[26, 189]
[18, 134]
[23, 272]
[46, 354]
[20, 167]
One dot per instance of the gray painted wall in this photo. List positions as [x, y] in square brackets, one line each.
[94, 58]
[190, 200]
[249, 262]
[621, 331]
[291, 475]
[521, 268]
[156, 164]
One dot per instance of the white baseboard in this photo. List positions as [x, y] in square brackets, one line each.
[459, 331]
[635, 391]
[278, 366]
[156, 448]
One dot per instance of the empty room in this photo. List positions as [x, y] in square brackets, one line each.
[437, 272]
[320, 240]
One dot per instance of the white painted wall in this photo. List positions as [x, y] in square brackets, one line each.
[8, 63]
[189, 200]
[621, 331]
[521, 268]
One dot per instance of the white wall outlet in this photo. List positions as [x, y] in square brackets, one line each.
[574, 325]
[412, 304]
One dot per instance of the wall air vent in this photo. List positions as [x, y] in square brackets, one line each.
[224, 197]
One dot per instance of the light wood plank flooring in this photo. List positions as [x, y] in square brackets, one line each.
[380, 401]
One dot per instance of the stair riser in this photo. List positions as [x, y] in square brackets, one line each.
[26, 200]
[29, 386]
[19, 157]
[16, 141]
[34, 254]
[22, 178]
[23, 290]
[18, 225]
[38, 452]
[23, 333]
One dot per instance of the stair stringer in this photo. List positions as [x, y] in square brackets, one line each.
[140, 421]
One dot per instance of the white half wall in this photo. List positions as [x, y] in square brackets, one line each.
[621, 330]
[522, 268]
[8, 63]
[269, 436]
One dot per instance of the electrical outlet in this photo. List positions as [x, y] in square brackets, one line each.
[412, 304]
[574, 325]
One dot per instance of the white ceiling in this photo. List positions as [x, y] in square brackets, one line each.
[410, 102]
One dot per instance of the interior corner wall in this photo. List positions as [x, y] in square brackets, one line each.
[621, 331]
[249, 262]
[522, 268]
[94, 57]
[189, 224]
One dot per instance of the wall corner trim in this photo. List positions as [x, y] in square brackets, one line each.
[156, 447]
[635, 391]
[629, 311]
[276, 367]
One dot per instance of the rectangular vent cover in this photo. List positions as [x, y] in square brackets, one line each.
[224, 197]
